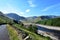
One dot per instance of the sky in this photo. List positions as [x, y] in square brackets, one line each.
[28, 8]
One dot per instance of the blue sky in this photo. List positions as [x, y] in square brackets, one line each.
[31, 7]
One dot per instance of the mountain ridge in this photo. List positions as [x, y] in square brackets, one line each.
[30, 19]
[15, 16]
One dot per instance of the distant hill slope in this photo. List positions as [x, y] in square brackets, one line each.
[51, 22]
[38, 18]
[48, 17]
[15, 16]
[4, 19]
[29, 19]
[33, 19]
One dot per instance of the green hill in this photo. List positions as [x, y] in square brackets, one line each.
[51, 22]
[4, 19]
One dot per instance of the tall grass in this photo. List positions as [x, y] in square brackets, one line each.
[12, 33]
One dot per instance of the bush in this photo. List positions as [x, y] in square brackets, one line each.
[32, 28]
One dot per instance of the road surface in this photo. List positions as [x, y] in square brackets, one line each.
[49, 27]
[45, 26]
[3, 33]
[51, 31]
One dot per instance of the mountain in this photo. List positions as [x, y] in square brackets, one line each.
[33, 19]
[29, 19]
[38, 18]
[42, 17]
[48, 17]
[15, 16]
[1, 13]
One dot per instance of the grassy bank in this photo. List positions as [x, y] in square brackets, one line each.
[12, 33]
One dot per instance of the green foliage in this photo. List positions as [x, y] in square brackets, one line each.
[13, 34]
[4, 19]
[51, 22]
[32, 28]
[42, 22]
[56, 22]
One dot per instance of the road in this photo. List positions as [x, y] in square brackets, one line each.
[3, 33]
[54, 34]
[45, 26]
[49, 27]
[51, 31]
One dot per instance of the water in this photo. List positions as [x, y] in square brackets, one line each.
[3, 33]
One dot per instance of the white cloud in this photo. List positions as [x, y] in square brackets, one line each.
[11, 9]
[49, 7]
[31, 3]
[28, 10]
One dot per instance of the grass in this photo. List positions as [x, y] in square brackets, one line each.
[33, 35]
[12, 33]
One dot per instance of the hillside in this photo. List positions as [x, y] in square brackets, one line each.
[15, 16]
[51, 22]
[4, 19]
[48, 17]
[34, 19]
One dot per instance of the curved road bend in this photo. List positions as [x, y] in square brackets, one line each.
[45, 26]
[3, 33]
[49, 27]
[51, 30]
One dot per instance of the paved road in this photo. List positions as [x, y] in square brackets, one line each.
[3, 33]
[49, 27]
[52, 31]
[45, 26]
